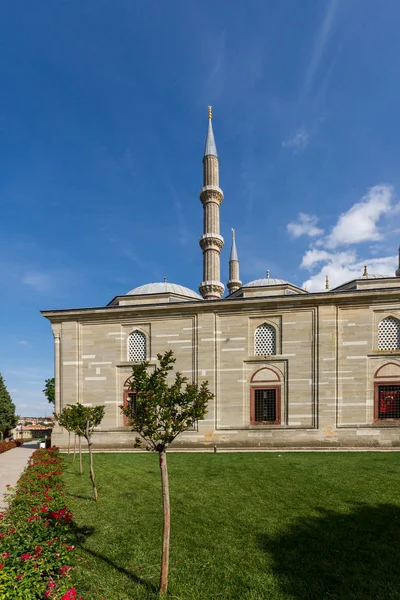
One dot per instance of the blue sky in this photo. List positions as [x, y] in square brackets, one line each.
[103, 115]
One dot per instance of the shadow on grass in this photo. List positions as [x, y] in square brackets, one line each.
[337, 556]
[82, 533]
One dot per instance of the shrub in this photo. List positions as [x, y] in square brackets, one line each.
[36, 551]
[4, 446]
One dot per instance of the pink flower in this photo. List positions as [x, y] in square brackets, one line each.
[19, 576]
[25, 556]
[6, 554]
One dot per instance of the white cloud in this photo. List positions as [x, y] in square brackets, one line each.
[298, 142]
[315, 256]
[307, 225]
[23, 343]
[341, 268]
[360, 222]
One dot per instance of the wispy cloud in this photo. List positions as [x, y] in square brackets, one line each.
[23, 343]
[321, 40]
[299, 141]
[39, 282]
[306, 225]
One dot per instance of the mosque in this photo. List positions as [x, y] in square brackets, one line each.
[287, 368]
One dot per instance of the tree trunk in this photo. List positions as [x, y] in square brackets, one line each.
[69, 440]
[92, 471]
[73, 460]
[166, 523]
[80, 455]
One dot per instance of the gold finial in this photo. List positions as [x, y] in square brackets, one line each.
[210, 112]
[365, 274]
[233, 234]
[327, 283]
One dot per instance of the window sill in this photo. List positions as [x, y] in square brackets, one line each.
[133, 363]
[384, 353]
[256, 359]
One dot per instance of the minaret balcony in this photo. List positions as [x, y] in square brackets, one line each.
[211, 193]
[211, 241]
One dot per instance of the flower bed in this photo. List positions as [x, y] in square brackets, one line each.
[36, 551]
[4, 446]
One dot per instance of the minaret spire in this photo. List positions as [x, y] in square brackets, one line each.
[234, 282]
[211, 241]
[398, 270]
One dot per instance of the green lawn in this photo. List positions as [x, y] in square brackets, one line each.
[253, 526]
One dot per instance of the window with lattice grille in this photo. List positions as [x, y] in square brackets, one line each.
[389, 334]
[264, 406]
[137, 346]
[388, 402]
[131, 404]
[264, 340]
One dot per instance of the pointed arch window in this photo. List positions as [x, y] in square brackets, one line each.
[137, 346]
[389, 334]
[265, 340]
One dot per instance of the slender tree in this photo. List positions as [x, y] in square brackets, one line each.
[49, 390]
[8, 418]
[159, 412]
[83, 420]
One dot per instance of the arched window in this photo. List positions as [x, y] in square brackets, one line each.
[137, 346]
[264, 340]
[389, 334]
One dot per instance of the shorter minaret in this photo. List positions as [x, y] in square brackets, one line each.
[234, 282]
[398, 270]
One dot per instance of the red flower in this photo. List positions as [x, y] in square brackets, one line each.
[19, 576]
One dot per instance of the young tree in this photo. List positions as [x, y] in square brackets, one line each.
[64, 420]
[82, 420]
[8, 419]
[49, 390]
[159, 412]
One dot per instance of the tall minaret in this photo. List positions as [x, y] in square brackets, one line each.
[234, 282]
[211, 241]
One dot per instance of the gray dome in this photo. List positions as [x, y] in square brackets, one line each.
[162, 288]
[372, 276]
[264, 282]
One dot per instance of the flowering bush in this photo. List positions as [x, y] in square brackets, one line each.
[36, 551]
[4, 446]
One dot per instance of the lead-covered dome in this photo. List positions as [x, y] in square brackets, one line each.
[163, 287]
[264, 282]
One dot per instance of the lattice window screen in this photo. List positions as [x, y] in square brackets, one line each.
[137, 346]
[264, 340]
[389, 334]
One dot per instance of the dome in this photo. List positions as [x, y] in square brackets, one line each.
[162, 288]
[372, 276]
[264, 282]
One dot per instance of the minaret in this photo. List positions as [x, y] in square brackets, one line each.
[234, 282]
[398, 270]
[211, 241]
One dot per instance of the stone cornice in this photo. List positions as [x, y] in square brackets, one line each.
[345, 299]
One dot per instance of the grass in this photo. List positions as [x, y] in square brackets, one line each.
[298, 526]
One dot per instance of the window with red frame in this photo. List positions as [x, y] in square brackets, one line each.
[265, 405]
[388, 402]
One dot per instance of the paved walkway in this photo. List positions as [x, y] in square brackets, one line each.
[12, 463]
